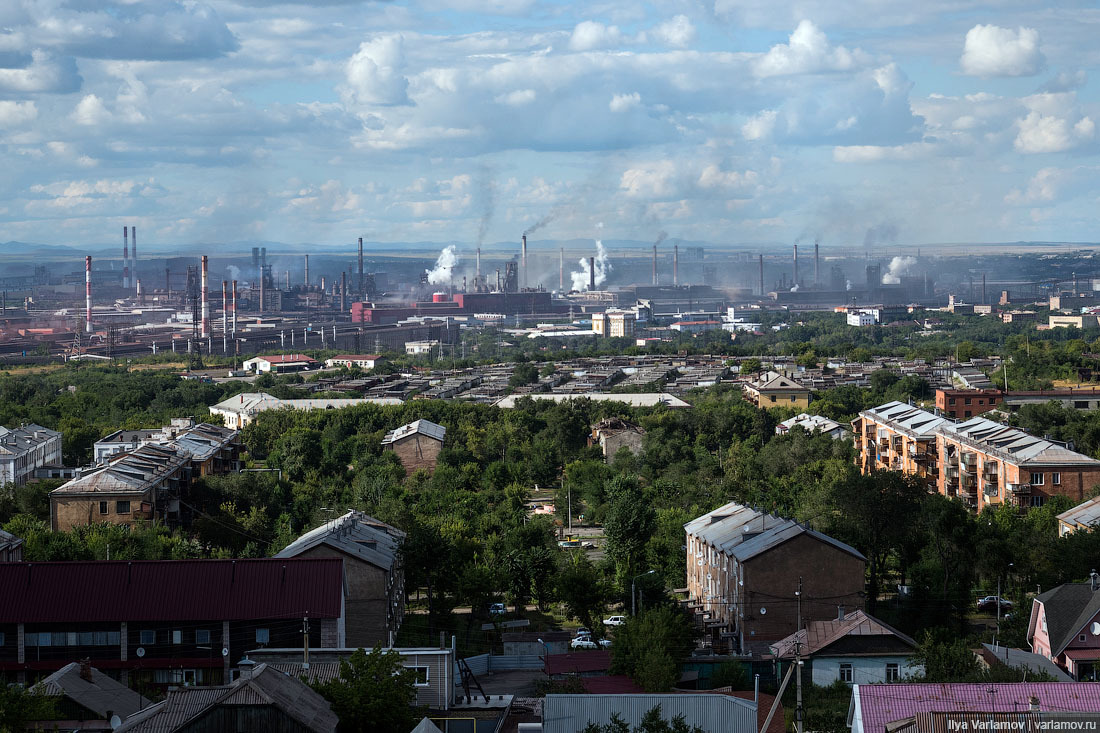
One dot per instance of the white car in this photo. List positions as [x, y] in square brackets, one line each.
[585, 642]
[614, 621]
[497, 609]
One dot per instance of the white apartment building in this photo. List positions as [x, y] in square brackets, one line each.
[25, 449]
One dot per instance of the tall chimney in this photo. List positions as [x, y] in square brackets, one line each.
[140, 293]
[205, 303]
[256, 259]
[477, 271]
[307, 273]
[225, 315]
[343, 290]
[524, 262]
[360, 291]
[88, 294]
[287, 273]
[234, 309]
[984, 301]
[263, 259]
[817, 265]
[591, 274]
[263, 285]
[125, 257]
[675, 264]
[761, 276]
[654, 264]
[133, 256]
[561, 269]
[323, 286]
[796, 264]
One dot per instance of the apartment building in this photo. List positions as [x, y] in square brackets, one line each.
[966, 403]
[897, 437]
[214, 449]
[25, 449]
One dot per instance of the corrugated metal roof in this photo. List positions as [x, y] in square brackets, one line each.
[423, 427]
[1021, 658]
[905, 418]
[1085, 514]
[101, 694]
[712, 713]
[23, 439]
[356, 534]
[651, 399]
[1017, 445]
[776, 536]
[819, 635]
[170, 590]
[130, 473]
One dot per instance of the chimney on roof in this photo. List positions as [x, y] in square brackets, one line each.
[244, 668]
[840, 613]
[86, 669]
[1033, 704]
[1094, 580]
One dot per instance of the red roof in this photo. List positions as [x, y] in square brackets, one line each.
[594, 660]
[287, 359]
[170, 590]
[1086, 654]
[611, 684]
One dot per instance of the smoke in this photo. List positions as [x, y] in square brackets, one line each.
[795, 288]
[580, 278]
[847, 284]
[540, 223]
[486, 193]
[885, 233]
[444, 265]
[898, 267]
[661, 236]
[234, 272]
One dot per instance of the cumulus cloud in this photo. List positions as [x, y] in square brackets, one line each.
[760, 126]
[176, 31]
[1039, 133]
[15, 114]
[1042, 188]
[990, 50]
[589, 35]
[517, 98]
[90, 111]
[677, 31]
[652, 181]
[807, 52]
[375, 73]
[43, 73]
[624, 102]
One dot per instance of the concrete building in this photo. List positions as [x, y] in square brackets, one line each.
[1017, 316]
[860, 317]
[416, 444]
[897, 437]
[695, 327]
[363, 361]
[373, 569]
[966, 403]
[1082, 398]
[280, 364]
[1084, 516]
[240, 410]
[1078, 321]
[742, 564]
[214, 449]
[25, 449]
[419, 348]
[613, 434]
[772, 389]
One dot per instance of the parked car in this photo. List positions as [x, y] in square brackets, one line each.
[585, 642]
[497, 609]
[989, 603]
[614, 621]
[582, 632]
[569, 544]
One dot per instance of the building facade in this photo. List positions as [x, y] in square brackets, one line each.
[960, 404]
[772, 389]
[416, 444]
[25, 449]
[1063, 628]
[280, 364]
[613, 434]
[897, 437]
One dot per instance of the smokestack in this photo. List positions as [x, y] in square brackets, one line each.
[361, 293]
[654, 264]
[561, 269]
[125, 257]
[262, 293]
[256, 259]
[343, 291]
[323, 286]
[263, 259]
[307, 273]
[140, 293]
[133, 255]
[761, 276]
[168, 283]
[817, 265]
[477, 271]
[225, 314]
[205, 304]
[984, 301]
[796, 264]
[287, 274]
[591, 274]
[524, 262]
[88, 294]
[234, 309]
[675, 264]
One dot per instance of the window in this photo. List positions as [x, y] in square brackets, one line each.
[177, 636]
[148, 636]
[1036, 479]
[263, 636]
[103, 507]
[793, 398]
[1036, 501]
[1, 638]
[968, 400]
[202, 636]
[99, 638]
[421, 675]
[122, 507]
[892, 674]
[114, 638]
[845, 673]
[1082, 638]
[951, 401]
[87, 638]
[771, 397]
[1081, 404]
[968, 413]
[1056, 478]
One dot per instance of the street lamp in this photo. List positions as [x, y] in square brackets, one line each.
[632, 581]
[546, 657]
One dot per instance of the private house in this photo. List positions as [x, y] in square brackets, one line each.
[242, 409]
[1065, 628]
[87, 699]
[854, 648]
[280, 364]
[143, 485]
[742, 564]
[260, 699]
[363, 361]
[615, 433]
[812, 424]
[25, 449]
[1084, 516]
[162, 623]
[897, 437]
[994, 655]
[772, 389]
[11, 547]
[966, 403]
[416, 444]
[373, 567]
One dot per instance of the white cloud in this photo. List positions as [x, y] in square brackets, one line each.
[374, 73]
[807, 52]
[624, 102]
[878, 153]
[589, 35]
[15, 114]
[760, 126]
[653, 181]
[1039, 133]
[517, 98]
[990, 50]
[90, 111]
[1042, 188]
[677, 31]
[44, 73]
[714, 177]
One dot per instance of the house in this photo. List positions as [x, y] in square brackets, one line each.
[281, 364]
[992, 655]
[417, 348]
[813, 424]
[1083, 516]
[242, 409]
[214, 449]
[263, 699]
[634, 399]
[712, 713]
[695, 327]
[363, 361]
[11, 547]
[164, 622]
[416, 444]
[615, 433]
[1065, 627]
[854, 648]
[25, 449]
[743, 564]
[87, 699]
[882, 708]
[861, 317]
[143, 485]
[966, 403]
[772, 389]
[374, 570]
[897, 437]
[122, 441]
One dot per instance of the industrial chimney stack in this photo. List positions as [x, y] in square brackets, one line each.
[561, 269]
[817, 265]
[88, 294]
[125, 258]
[654, 265]
[225, 316]
[761, 276]
[343, 291]
[133, 256]
[524, 263]
[307, 273]
[796, 265]
[362, 294]
[234, 309]
[675, 264]
[591, 274]
[477, 269]
[205, 303]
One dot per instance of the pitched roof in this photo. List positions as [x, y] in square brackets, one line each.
[265, 686]
[1021, 658]
[20, 440]
[134, 472]
[810, 423]
[426, 726]
[101, 694]
[1014, 444]
[284, 359]
[423, 427]
[1083, 515]
[634, 399]
[769, 381]
[819, 635]
[171, 590]
[745, 533]
[1069, 608]
[9, 541]
[356, 534]
[779, 534]
[205, 440]
[905, 418]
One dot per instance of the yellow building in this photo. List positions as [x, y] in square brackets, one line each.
[772, 389]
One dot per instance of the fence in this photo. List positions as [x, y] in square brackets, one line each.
[488, 663]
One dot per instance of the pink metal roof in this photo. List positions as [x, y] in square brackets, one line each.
[287, 359]
[882, 704]
[170, 590]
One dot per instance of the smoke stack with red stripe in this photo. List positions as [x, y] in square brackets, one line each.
[133, 256]
[88, 294]
[205, 303]
[125, 257]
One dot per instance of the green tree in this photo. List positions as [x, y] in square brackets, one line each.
[650, 647]
[652, 722]
[374, 692]
[20, 707]
[581, 589]
[751, 366]
[630, 523]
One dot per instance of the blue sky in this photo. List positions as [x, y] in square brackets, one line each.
[725, 120]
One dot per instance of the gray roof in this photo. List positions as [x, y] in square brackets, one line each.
[1013, 444]
[129, 473]
[7, 539]
[20, 440]
[634, 399]
[776, 536]
[423, 427]
[907, 419]
[251, 403]
[101, 694]
[266, 686]
[713, 713]
[1085, 514]
[426, 726]
[205, 440]
[355, 534]
[1069, 607]
[1027, 660]
[772, 381]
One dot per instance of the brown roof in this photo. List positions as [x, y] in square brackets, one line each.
[820, 634]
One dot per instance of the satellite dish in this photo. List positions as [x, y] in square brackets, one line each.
[115, 721]
[1095, 628]
[225, 651]
[141, 651]
[763, 611]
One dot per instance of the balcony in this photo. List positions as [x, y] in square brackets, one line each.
[1019, 488]
[970, 460]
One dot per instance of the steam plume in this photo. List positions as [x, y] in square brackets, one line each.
[898, 267]
[580, 278]
[444, 265]
[234, 272]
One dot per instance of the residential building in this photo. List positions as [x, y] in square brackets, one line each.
[242, 409]
[599, 324]
[419, 348]
[214, 449]
[86, 699]
[695, 327]
[363, 361]
[992, 655]
[854, 648]
[634, 399]
[741, 563]
[1083, 516]
[373, 568]
[25, 449]
[965, 403]
[1065, 628]
[142, 485]
[861, 317]
[261, 699]
[897, 437]
[416, 444]
[280, 364]
[882, 708]
[614, 433]
[712, 713]
[1080, 398]
[122, 441]
[1078, 321]
[813, 424]
[11, 547]
[772, 389]
[1017, 316]
[164, 622]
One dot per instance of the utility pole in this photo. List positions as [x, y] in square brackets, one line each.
[305, 643]
[798, 665]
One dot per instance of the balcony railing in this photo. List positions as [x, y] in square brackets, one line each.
[969, 459]
[1019, 488]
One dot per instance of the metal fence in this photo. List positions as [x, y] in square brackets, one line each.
[487, 663]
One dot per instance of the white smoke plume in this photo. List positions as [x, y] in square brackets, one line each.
[795, 288]
[847, 284]
[898, 266]
[444, 266]
[234, 272]
[580, 278]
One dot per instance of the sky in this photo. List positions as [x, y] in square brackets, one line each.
[728, 121]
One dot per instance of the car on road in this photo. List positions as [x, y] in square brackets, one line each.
[569, 544]
[497, 609]
[614, 621]
[585, 642]
[989, 604]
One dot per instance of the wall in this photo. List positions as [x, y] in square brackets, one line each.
[865, 670]
[69, 512]
[417, 451]
[613, 442]
[367, 604]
